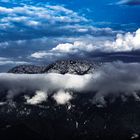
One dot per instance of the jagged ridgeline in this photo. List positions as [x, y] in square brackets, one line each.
[61, 67]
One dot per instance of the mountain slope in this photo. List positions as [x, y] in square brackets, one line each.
[62, 67]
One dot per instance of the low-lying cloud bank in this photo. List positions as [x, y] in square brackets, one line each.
[115, 79]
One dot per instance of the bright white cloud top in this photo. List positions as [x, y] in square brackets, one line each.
[62, 97]
[39, 97]
[127, 42]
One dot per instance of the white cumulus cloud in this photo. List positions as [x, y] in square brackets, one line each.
[62, 97]
[39, 97]
[127, 42]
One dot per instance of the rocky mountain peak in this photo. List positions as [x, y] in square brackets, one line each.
[64, 66]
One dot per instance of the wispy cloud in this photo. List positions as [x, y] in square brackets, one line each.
[44, 19]
[7, 61]
[129, 2]
[33, 28]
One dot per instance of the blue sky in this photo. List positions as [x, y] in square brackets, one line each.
[105, 10]
[42, 31]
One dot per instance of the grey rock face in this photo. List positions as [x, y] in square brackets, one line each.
[28, 69]
[62, 67]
